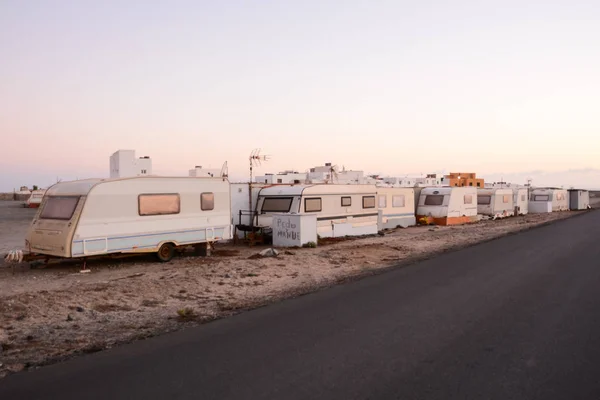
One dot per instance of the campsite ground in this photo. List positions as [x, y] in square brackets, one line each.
[52, 313]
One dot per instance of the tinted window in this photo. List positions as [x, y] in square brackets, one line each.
[398, 201]
[346, 201]
[540, 197]
[312, 205]
[277, 204]
[368, 201]
[207, 201]
[59, 207]
[158, 204]
[484, 199]
[434, 199]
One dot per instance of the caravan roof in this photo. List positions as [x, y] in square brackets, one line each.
[84, 186]
[316, 189]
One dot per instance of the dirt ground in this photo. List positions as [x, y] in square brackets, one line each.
[49, 314]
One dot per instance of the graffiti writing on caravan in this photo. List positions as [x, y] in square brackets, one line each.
[286, 229]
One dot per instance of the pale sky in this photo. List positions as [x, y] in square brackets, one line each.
[389, 87]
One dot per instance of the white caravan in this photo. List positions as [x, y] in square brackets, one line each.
[447, 205]
[548, 200]
[521, 200]
[342, 210]
[35, 199]
[396, 207]
[496, 203]
[130, 215]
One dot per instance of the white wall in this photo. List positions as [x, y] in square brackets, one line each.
[123, 163]
[288, 178]
[200, 172]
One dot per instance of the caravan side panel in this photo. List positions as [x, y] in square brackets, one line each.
[448, 205]
[521, 201]
[396, 207]
[112, 220]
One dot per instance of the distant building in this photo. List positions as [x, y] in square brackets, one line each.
[463, 179]
[285, 177]
[123, 164]
[428, 180]
[330, 174]
[198, 172]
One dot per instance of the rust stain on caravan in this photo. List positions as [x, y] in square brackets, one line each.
[445, 221]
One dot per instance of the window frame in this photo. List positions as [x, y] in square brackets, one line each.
[202, 201]
[369, 197]
[403, 197]
[487, 197]
[60, 197]
[306, 199]
[470, 197]
[158, 194]
[428, 196]
[262, 208]
[348, 198]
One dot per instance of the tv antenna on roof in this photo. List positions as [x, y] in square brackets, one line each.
[254, 159]
[224, 170]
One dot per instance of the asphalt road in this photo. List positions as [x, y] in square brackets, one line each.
[516, 318]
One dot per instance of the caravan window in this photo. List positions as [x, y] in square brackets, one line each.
[207, 201]
[541, 197]
[522, 197]
[560, 196]
[382, 201]
[368, 201]
[505, 198]
[434, 199]
[277, 204]
[484, 199]
[312, 205]
[59, 207]
[468, 199]
[346, 201]
[398, 201]
[158, 204]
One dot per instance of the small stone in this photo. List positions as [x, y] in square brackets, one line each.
[69, 318]
[269, 253]
[79, 309]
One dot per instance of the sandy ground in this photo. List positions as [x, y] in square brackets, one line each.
[49, 314]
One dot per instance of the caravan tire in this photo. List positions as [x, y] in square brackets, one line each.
[166, 252]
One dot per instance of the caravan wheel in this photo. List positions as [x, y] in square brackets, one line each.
[166, 252]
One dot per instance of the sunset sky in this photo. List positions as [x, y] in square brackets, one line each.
[504, 89]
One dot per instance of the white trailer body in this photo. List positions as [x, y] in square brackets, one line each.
[342, 210]
[496, 203]
[521, 200]
[448, 205]
[558, 199]
[130, 215]
[396, 207]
